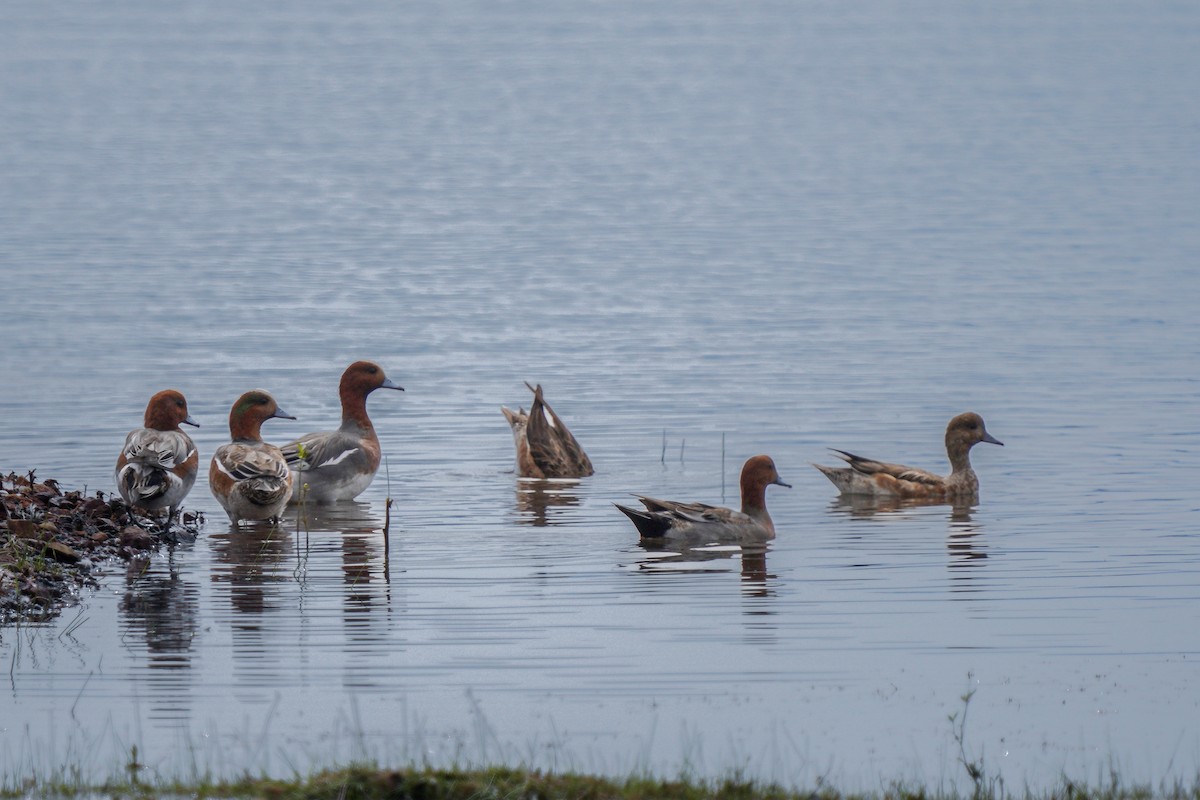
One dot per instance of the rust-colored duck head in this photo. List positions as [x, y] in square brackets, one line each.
[359, 380]
[166, 410]
[758, 473]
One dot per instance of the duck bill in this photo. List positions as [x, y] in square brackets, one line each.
[388, 383]
[189, 421]
[779, 482]
[281, 414]
[987, 437]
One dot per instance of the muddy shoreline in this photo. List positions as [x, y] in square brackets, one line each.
[54, 542]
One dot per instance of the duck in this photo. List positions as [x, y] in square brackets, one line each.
[339, 465]
[880, 479]
[694, 523]
[249, 477]
[545, 448]
[158, 464]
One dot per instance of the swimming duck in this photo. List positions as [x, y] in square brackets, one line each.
[249, 477]
[158, 465]
[545, 448]
[339, 465]
[698, 522]
[867, 477]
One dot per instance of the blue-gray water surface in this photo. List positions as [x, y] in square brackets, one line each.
[710, 230]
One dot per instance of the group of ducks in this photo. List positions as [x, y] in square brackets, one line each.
[698, 522]
[255, 480]
[546, 449]
[252, 479]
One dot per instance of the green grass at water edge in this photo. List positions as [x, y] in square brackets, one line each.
[369, 782]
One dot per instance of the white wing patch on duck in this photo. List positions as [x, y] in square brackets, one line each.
[340, 458]
[302, 463]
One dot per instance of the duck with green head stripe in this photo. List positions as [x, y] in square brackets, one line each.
[248, 476]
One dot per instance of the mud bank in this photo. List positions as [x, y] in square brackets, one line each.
[54, 543]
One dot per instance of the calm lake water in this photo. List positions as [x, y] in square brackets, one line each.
[765, 227]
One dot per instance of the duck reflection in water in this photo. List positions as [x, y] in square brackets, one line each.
[963, 543]
[544, 502]
[364, 552]
[253, 559]
[163, 608]
[865, 506]
[669, 558]
[349, 516]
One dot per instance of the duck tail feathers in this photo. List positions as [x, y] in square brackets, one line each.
[650, 526]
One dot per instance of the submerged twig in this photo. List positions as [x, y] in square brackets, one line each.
[86, 681]
[75, 624]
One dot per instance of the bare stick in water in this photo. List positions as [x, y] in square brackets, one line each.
[387, 520]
